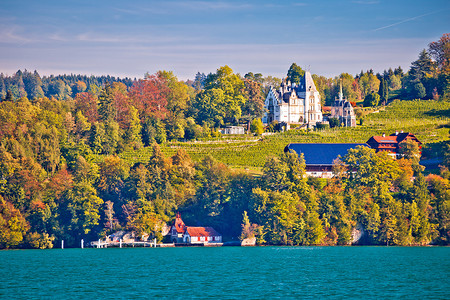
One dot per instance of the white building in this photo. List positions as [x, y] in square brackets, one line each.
[294, 104]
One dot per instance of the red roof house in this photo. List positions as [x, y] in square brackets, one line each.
[180, 233]
[391, 143]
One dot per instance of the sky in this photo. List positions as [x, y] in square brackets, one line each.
[131, 38]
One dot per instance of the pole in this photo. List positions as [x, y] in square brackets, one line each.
[62, 244]
[82, 243]
[98, 244]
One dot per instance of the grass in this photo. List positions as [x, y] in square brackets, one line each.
[428, 120]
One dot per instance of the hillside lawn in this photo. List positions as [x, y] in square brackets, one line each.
[428, 120]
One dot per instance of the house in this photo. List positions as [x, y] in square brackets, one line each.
[391, 144]
[180, 233]
[319, 157]
[233, 130]
[201, 235]
[294, 104]
[343, 111]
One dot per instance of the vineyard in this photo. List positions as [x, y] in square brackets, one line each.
[428, 120]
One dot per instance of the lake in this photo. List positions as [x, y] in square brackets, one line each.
[227, 273]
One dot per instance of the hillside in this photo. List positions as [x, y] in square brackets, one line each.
[428, 120]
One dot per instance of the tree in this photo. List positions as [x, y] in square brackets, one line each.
[222, 99]
[13, 225]
[107, 110]
[149, 97]
[372, 99]
[421, 67]
[419, 90]
[368, 83]
[177, 104]
[440, 51]
[295, 73]
[257, 127]
[410, 149]
[133, 132]
[210, 106]
[334, 122]
[248, 230]
[254, 106]
[87, 104]
[383, 91]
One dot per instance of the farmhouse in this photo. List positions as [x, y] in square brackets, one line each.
[294, 104]
[391, 144]
[319, 157]
[180, 233]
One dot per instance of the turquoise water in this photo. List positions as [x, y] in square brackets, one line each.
[227, 273]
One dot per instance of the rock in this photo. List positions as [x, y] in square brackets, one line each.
[249, 242]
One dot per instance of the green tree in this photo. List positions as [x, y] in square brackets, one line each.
[419, 90]
[232, 87]
[383, 91]
[368, 83]
[133, 133]
[372, 99]
[177, 104]
[106, 109]
[295, 73]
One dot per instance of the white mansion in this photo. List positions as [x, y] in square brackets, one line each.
[294, 104]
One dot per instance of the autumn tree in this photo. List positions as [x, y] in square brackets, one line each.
[149, 97]
[254, 106]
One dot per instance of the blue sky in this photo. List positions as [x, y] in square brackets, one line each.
[130, 38]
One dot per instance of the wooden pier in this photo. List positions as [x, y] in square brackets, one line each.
[121, 244]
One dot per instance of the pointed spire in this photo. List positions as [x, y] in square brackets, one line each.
[309, 82]
[341, 95]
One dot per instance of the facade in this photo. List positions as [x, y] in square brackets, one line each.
[343, 111]
[180, 233]
[391, 144]
[319, 158]
[201, 235]
[233, 130]
[294, 104]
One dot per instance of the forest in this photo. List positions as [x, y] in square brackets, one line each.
[63, 175]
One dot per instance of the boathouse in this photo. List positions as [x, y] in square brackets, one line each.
[180, 233]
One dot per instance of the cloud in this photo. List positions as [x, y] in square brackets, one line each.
[11, 35]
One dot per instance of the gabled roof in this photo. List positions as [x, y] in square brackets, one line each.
[385, 139]
[201, 231]
[179, 224]
[403, 135]
[321, 154]
[308, 82]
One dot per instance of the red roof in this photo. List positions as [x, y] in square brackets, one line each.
[179, 224]
[385, 139]
[201, 231]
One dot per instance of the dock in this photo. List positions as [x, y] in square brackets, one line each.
[121, 244]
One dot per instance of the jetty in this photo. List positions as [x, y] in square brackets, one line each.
[129, 244]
